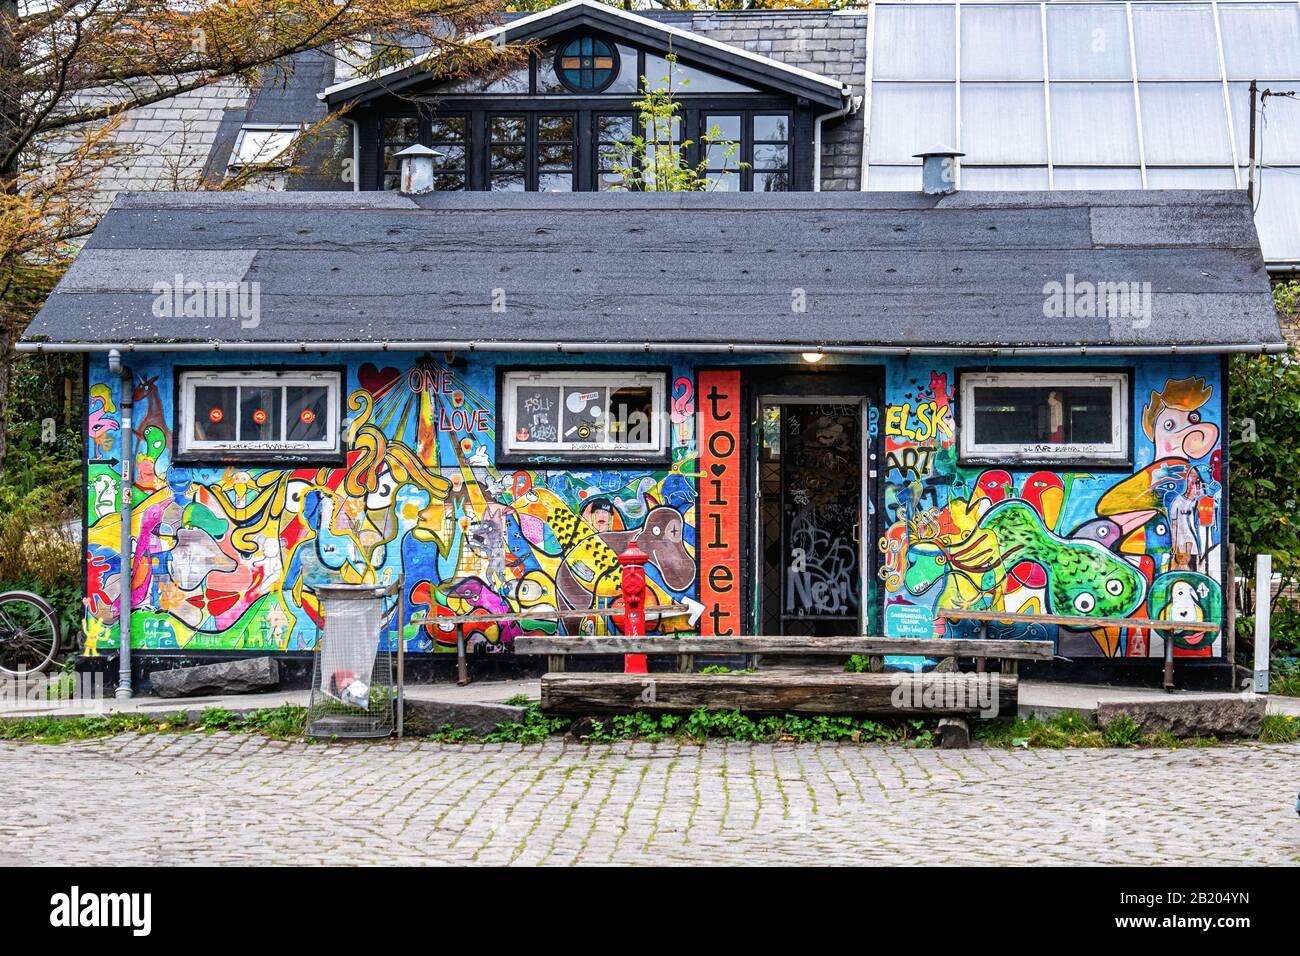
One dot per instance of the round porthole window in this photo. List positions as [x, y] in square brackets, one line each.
[586, 64]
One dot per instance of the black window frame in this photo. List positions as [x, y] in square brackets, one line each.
[599, 145]
[477, 108]
[744, 157]
[532, 144]
[595, 89]
[425, 120]
[385, 143]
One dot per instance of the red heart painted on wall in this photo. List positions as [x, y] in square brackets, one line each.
[377, 381]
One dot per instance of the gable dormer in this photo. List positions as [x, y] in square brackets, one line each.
[558, 121]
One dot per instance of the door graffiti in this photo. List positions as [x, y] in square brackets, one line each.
[810, 512]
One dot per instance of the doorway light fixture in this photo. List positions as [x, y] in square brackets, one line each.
[812, 358]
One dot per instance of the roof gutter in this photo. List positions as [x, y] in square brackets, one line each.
[711, 348]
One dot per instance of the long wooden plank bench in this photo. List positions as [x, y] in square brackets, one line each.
[557, 648]
[804, 692]
[1081, 622]
[799, 691]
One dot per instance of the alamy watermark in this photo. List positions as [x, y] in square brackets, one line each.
[79, 691]
[1084, 299]
[75, 909]
[946, 692]
[209, 300]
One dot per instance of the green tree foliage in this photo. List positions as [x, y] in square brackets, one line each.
[1264, 468]
[655, 159]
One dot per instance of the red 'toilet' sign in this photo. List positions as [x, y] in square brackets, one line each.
[718, 546]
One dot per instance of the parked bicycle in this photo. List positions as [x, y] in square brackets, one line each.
[30, 633]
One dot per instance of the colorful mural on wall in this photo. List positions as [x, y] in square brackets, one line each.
[1139, 544]
[226, 558]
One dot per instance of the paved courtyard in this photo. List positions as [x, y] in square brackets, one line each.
[196, 798]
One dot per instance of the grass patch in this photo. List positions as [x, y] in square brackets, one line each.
[284, 723]
[1063, 730]
[858, 664]
[534, 728]
[1123, 731]
[518, 700]
[1284, 679]
[287, 723]
[1279, 729]
[1070, 730]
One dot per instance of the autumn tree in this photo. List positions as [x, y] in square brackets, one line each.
[70, 70]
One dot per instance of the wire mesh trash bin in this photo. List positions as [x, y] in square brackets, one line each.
[357, 676]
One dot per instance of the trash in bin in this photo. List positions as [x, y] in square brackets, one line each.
[352, 681]
[349, 647]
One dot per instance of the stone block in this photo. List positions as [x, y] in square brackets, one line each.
[248, 675]
[1226, 715]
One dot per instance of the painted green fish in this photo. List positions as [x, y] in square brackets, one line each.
[1083, 577]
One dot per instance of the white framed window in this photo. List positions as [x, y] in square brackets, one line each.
[258, 145]
[250, 413]
[573, 415]
[1045, 417]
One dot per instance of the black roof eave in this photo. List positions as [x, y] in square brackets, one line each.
[697, 53]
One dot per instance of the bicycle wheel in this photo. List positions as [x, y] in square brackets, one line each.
[29, 633]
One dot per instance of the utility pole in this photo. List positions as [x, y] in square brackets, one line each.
[1250, 182]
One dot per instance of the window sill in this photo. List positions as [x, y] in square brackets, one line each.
[261, 458]
[1018, 463]
[585, 458]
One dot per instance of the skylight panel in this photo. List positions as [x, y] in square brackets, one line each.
[909, 117]
[915, 42]
[1260, 39]
[1185, 123]
[262, 145]
[1094, 124]
[1001, 42]
[1087, 42]
[1175, 41]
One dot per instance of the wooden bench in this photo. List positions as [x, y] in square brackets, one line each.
[818, 691]
[653, 612]
[1083, 623]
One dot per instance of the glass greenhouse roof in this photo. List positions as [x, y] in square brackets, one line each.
[1092, 95]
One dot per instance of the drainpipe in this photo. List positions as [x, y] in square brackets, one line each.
[127, 377]
[356, 154]
[854, 104]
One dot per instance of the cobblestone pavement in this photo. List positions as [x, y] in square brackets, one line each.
[195, 798]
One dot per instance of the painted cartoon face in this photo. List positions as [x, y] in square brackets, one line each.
[600, 519]
[661, 538]
[1118, 591]
[1105, 532]
[1157, 535]
[1183, 434]
[1137, 499]
[926, 564]
[1191, 597]
[991, 487]
[1083, 577]
[1046, 492]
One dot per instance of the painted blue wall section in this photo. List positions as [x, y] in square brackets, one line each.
[227, 556]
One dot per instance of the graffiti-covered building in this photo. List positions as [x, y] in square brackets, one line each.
[815, 413]
[817, 410]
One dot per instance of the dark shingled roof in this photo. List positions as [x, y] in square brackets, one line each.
[876, 269]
